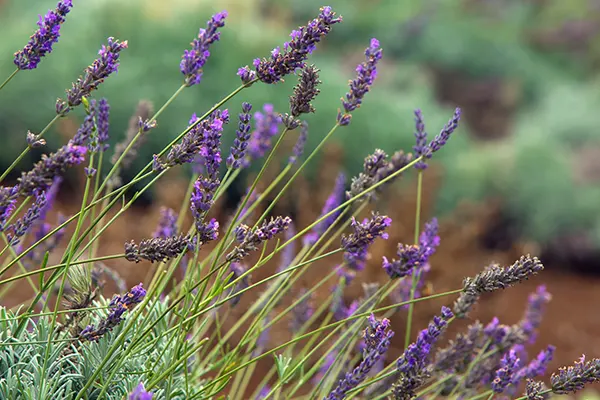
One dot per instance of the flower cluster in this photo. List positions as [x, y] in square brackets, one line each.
[23, 224]
[304, 92]
[414, 256]
[118, 306]
[294, 53]
[43, 39]
[266, 126]
[93, 76]
[167, 226]
[356, 245]
[193, 60]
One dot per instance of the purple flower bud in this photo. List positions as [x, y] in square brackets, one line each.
[533, 314]
[93, 76]
[19, 228]
[356, 244]
[366, 73]
[193, 60]
[43, 39]
[420, 148]
[536, 367]
[8, 200]
[102, 123]
[294, 53]
[266, 126]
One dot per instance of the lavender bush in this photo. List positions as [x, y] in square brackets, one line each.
[164, 338]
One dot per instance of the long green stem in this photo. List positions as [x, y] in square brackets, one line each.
[416, 273]
[9, 78]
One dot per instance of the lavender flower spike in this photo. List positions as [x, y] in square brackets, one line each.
[43, 39]
[365, 233]
[533, 314]
[332, 202]
[266, 126]
[140, 393]
[304, 92]
[377, 338]
[250, 239]
[93, 76]
[574, 378]
[294, 53]
[157, 249]
[8, 199]
[440, 140]
[414, 256]
[420, 148]
[50, 166]
[300, 143]
[412, 365]
[167, 225]
[19, 228]
[102, 115]
[509, 363]
[240, 143]
[366, 73]
[118, 306]
[193, 60]
[494, 278]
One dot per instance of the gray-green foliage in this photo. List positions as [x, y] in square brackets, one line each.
[72, 363]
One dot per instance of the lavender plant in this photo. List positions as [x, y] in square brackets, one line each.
[188, 337]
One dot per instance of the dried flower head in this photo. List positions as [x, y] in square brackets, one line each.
[43, 39]
[157, 249]
[573, 378]
[93, 76]
[366, 73]
[294, 53]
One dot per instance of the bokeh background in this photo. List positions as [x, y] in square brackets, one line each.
[522, 174]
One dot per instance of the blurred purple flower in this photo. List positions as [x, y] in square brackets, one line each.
[534, 313]
[140, 393]
[16, 230]
[167, 225]
[266, 126]
[505, 373]
[300, 143]
[332, 202]
[240, 143]
[355, 245]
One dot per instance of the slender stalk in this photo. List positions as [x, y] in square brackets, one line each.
[9, 78]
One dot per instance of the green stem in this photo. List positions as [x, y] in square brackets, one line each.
[416, 273]
[9, 78]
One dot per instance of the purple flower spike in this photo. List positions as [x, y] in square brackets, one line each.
[533, 314]
[536, 367]
[93, 76]
[49, 167]
[509, 363]
[118, 305]
[8, 200]
[167, 226]
[420, 148]
[356, 244]
[158, 249]
[240, 143]
[574, 378]
[19, 228]
[440, 140]
[193, 60]
[102, 124]
[250, 239]
[366, 73]
[294, 53]
[140, 393]
[265, 128]
[412, 365]
[332, 202]
[299, 146]
[43, 39]
[377, 338]
[414, 256]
